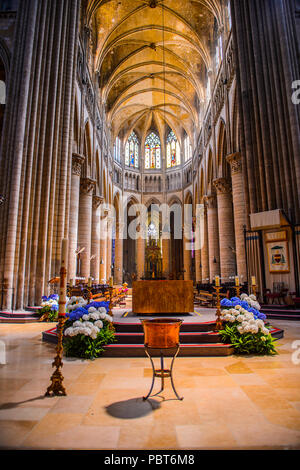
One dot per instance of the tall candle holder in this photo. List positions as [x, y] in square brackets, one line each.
[237, 286]
[110, 294]
[254, 286]
[56, 387]
[217, 288]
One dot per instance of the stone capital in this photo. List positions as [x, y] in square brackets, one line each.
[222, 186]
[235, 161]
[87, 185]
[210, 201]
[97, 200]
[77, 162]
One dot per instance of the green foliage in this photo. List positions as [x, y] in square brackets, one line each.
[248, 343]
[85, 347]
[48, 314]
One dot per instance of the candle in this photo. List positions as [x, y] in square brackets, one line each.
[71, 283]
[217, 280]
[253, 281]
[111, 282]
[237, 281]
[89, 282]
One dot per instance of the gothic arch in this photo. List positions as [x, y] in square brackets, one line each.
[87, 151]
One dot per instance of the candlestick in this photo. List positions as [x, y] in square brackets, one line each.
[253, 281]
[56, 387]
[218, 312]
[237, 286]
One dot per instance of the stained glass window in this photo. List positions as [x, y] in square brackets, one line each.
[173, 150]
[117, 149]
[187, 149]
[152, 152]
[132, 151]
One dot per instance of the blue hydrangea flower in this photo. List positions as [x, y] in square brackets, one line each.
[245, 305]
[53, 297]
[226, 303]
[54, 307]
[98, 305]
[236, 302]
[261, 316]
[77, 314]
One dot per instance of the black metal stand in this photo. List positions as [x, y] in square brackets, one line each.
[162, 372]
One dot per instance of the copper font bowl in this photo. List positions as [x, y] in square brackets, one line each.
[161, 333]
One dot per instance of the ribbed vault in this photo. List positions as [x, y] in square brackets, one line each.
[153, 57]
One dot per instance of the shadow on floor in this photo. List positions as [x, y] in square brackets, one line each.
[133, 408]
[9, 405]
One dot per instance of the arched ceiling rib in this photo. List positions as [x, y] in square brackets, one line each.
[152, 57]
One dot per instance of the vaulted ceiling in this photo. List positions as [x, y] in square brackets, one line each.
[153, 57]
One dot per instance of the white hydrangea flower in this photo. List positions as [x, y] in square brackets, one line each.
[94, 315]
[99, 324]
[92, 309]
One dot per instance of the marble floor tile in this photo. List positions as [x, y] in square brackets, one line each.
[234, 402]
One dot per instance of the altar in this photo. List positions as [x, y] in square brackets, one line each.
[162, 297]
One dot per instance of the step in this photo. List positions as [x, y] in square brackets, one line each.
[290, 311]
[137, 327]
[280, 316]
[18, 317]
[185, 337]
[192, 349]
[18, 320]
[186, 350]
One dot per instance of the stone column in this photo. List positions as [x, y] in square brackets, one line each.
[77, 161]
[239, 211]
[198, 269]
[95, 247]
[204, 248]
[118, 271]
[213, 236]
[103, 246]
[85, 224]
[197, 229]
[140, 254]
[226, 230]
[109, 247]
[166, 257]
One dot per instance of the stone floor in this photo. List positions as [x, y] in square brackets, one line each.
[229, 402]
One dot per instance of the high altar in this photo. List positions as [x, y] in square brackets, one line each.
[162, 297]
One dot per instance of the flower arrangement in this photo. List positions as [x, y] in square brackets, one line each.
[245, 326]
[87, 328]
[49, 308]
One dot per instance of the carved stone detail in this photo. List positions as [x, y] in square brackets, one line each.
[97, 200]
[87, 185]
[210, 201]
[222, 185]
[77, 162]
[235, 161]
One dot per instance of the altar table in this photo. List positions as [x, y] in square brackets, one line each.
[158, 297]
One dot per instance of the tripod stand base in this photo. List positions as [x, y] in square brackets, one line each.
[162, 372]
